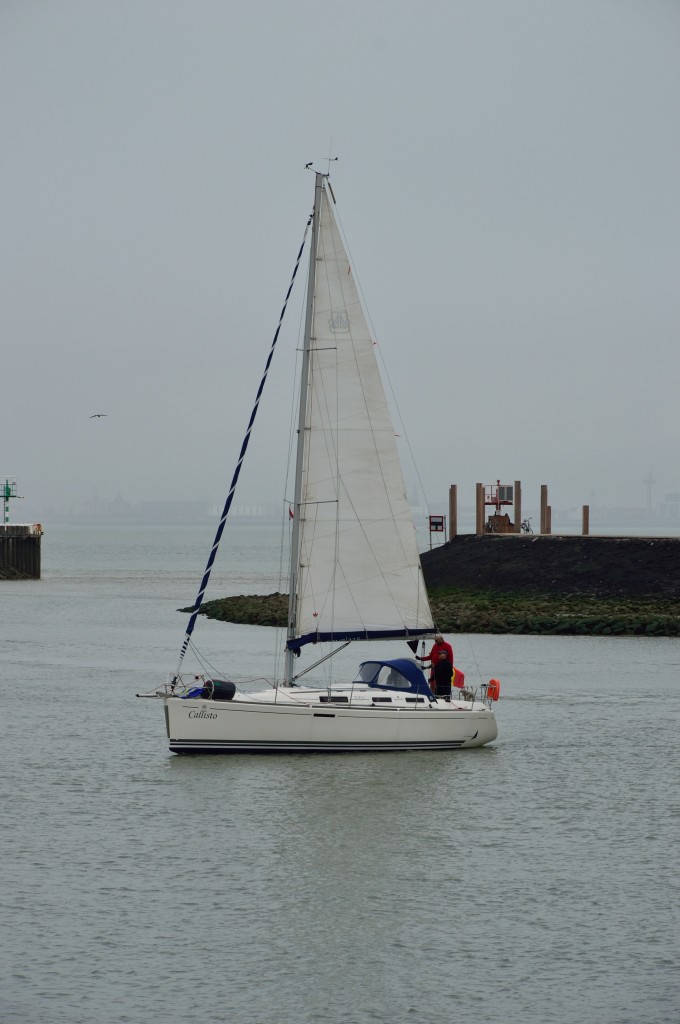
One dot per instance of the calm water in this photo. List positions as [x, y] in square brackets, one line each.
[531, 882]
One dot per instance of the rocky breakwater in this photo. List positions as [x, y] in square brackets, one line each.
[556, 584]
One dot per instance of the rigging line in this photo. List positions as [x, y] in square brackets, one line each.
[324, 657]
[337, 570]
[474, 658]
[353, 352]
[332, 453]
[322, 397]
[204, 662]
[374, 335]
[416, 579]
[327, 247]
[237, 471]
[285, 550]
[295, 401]
[331, 250]
[333, 456]
[284, 530]
[206, 666]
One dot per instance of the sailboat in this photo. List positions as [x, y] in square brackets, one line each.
[355, 571]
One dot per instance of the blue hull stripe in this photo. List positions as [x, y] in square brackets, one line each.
[267, 747]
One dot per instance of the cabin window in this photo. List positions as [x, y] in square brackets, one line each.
[392, 677]
[367, 672]
[376, 674]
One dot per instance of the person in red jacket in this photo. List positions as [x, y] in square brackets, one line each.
[439, 644]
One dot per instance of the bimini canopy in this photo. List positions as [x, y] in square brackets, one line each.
[398, 674]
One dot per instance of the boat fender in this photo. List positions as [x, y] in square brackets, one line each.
[493, 690]
[220, 689]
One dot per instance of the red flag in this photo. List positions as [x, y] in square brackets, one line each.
[291, 514]
[458, 678]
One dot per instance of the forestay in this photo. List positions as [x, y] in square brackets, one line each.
[359, 568]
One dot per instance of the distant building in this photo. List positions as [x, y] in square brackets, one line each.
[669, 508]
[172, 510]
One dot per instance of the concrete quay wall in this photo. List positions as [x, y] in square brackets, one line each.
[20, 551]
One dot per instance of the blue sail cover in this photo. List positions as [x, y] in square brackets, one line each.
[396, 674]
[297, 643]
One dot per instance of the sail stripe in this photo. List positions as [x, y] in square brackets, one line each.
[227, 505]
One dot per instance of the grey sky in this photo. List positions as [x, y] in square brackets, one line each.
[507, 181]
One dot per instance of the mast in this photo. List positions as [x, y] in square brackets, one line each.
[302, 417]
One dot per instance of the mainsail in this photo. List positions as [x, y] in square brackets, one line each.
[359, 573]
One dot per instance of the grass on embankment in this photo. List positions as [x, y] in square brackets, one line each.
[465, 611]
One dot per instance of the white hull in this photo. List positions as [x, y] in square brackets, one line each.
[281, 722]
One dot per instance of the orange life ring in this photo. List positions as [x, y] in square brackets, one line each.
[493, 690]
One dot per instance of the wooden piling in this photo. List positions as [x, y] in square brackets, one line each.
[544, 505]
[479, 520]
[453, 511]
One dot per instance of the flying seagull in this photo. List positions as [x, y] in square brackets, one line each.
[98, 415]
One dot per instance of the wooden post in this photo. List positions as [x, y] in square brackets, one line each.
[586, 520]
[518, 506]
[479, 521]
[544, 505]
[453, 511]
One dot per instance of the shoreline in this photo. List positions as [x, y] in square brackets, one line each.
[535, 584]
[460, 611]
